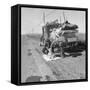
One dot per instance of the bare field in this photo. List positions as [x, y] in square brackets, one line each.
[34, 68]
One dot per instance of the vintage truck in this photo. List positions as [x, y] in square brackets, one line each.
[58, 37]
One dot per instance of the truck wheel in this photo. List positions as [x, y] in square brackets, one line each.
[58, 45]
[45, 51]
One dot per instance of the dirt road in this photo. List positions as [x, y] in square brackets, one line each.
[63, 69]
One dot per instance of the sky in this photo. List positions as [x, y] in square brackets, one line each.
[32, 19]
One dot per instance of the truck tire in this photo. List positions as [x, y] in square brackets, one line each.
[60, 47]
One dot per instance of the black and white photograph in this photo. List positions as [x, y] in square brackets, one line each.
[53, 45]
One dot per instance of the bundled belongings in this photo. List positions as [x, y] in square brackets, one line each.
[54, 24]
[69, 26]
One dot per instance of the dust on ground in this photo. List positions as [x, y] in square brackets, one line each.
[34, 68]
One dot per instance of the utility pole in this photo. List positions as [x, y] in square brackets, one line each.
[64, 16]
[32, 30]
[43, 31]
[44, 17]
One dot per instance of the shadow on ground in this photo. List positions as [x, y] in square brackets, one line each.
[75, 51]
[33, 79]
